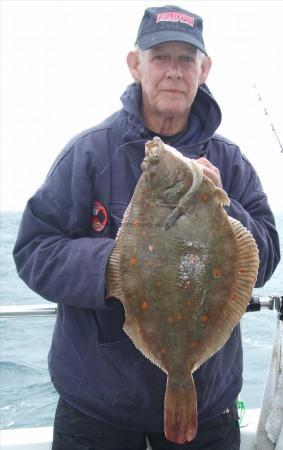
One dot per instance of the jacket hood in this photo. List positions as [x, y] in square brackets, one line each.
[205, 111]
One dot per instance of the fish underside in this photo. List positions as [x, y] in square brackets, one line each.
[184, 271]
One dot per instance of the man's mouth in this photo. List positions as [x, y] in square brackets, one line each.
[173, 91]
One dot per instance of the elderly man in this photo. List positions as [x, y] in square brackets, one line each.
[111, 396]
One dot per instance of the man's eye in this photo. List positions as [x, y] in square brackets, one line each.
[161, 57]
[186, 58]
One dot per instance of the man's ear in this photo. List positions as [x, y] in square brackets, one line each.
[205, 68]
[133, 62]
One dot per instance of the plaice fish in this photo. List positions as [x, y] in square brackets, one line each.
[184, 272]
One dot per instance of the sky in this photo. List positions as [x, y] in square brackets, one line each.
[64, 70]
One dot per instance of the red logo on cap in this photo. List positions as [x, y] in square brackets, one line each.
[99, 216]
[175, 17]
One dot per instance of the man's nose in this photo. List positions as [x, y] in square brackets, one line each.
[174, 70]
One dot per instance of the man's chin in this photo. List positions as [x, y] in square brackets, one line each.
[173, 111]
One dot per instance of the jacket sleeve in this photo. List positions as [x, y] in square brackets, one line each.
[250, 206]
[54, 253]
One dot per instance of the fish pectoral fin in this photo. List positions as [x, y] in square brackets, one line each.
[177, 212]
[184, 202]
[181, 208]
[172, 218]
[180, 411]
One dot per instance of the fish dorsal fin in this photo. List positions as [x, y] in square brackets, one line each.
[247, 249]
[113, 278]
[247, 264]
[246, 269]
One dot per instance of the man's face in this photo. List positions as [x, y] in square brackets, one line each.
[170, 74]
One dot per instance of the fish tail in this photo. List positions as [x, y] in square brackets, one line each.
[180, 411]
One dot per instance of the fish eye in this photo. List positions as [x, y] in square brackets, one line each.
[154, 157]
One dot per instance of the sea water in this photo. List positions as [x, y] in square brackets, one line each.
[28, 398]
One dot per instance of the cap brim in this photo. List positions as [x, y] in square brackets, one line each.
[149, 41]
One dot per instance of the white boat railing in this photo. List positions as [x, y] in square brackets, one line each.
[272, 302]
[27, 310]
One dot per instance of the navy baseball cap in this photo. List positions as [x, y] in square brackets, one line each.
[169, 23]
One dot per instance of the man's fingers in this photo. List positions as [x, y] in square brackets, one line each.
[210, 171]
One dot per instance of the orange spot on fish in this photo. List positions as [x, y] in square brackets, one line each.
[144, 305]
[133, 261]
[194, 344]
[151, 247]
[204, 318]
[163, 350]
[174, 319]
[189, 302]
[216, 272]
[233, 298]
[242, 271]
[204, 198]
[157, 284]
[142, 233]
[136, 223]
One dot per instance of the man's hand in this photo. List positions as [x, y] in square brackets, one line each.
[210, 171]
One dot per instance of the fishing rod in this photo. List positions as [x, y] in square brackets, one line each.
[259, 97]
